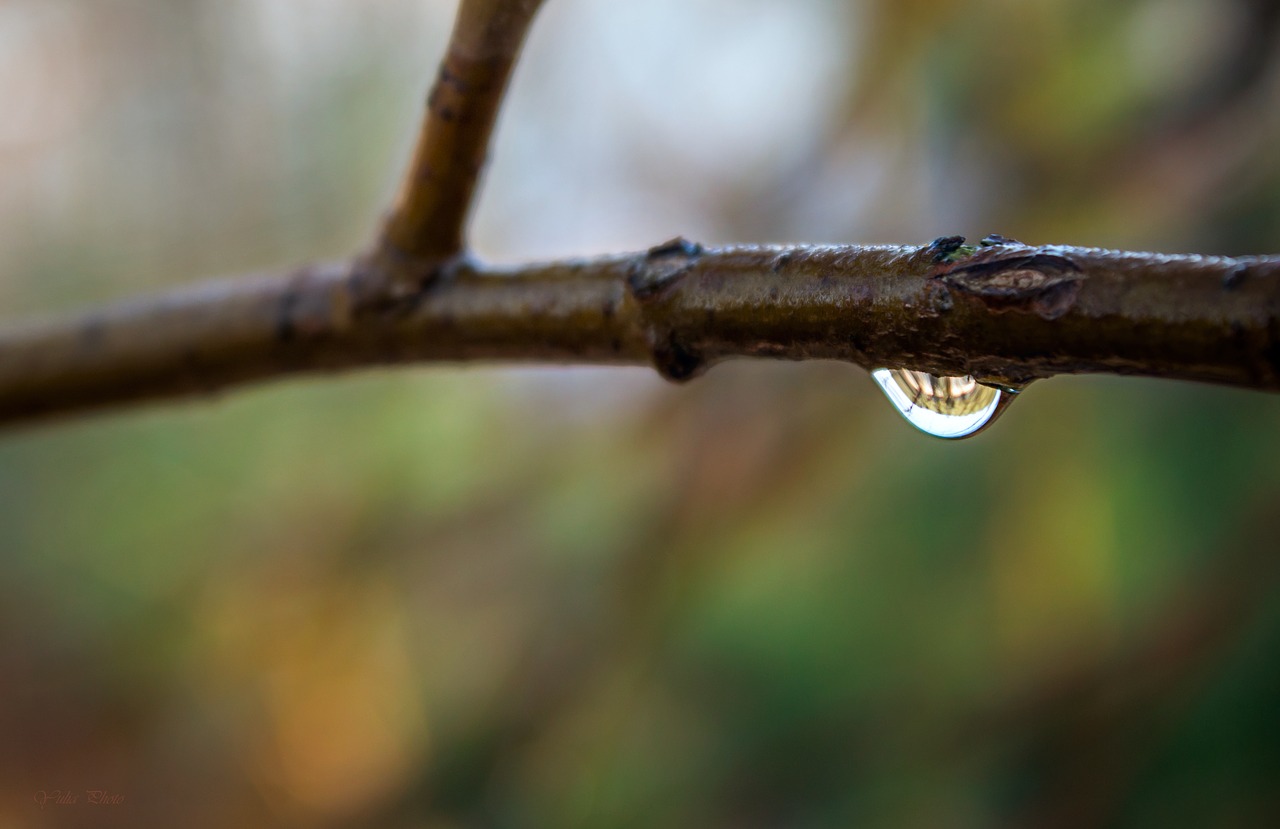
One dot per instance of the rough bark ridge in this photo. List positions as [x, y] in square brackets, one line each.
[1001, 310]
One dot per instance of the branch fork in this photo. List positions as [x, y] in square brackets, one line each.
[1000, 311]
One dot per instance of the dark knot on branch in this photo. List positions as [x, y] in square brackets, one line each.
[662, 267]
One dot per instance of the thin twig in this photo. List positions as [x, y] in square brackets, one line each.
[1006, 312]
[427, 223]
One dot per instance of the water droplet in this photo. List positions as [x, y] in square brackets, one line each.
[946, 407]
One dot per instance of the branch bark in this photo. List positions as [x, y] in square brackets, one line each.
[1005, 312]
[427, 223]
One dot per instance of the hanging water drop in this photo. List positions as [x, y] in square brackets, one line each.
[946, 407]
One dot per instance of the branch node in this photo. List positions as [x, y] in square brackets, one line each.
[663, 266]
[678, 245]
[675, 361]
[1043, 284]
[946, 248]
[1235, 276]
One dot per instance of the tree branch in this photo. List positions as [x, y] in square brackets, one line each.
[427, 223]
[1005, 312]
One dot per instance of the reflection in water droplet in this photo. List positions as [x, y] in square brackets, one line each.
[946, 407]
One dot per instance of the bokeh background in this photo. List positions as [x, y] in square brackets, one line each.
[493, 596]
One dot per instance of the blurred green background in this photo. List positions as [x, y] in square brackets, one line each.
[485, 596]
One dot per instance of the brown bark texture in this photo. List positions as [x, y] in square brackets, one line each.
[428, 220]
[1005, 312]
